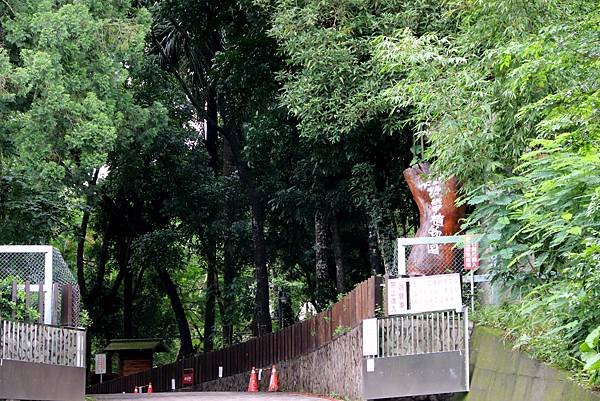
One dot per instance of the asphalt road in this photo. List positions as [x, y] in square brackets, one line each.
[209, 396]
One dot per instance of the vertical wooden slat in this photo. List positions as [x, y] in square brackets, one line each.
[55, 291]
[41, 302]
[378, 292]
[66, 309]
[272, 348]
[290, 342]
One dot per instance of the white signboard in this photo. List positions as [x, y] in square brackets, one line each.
[370, 337]
[100, 364]
[433, 293]
[370, 365]
[397, 299]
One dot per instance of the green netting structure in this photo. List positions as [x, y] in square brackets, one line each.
[41, 267]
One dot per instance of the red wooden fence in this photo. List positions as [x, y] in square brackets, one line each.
[291, 342]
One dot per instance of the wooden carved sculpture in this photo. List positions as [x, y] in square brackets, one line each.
[438, 216]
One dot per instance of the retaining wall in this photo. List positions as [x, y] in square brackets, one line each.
[333, 369]
[500, 374]
[497, 373]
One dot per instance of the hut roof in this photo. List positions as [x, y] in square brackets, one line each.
[136, 344]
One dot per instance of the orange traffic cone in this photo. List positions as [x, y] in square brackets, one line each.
[274, 382]
[135, 390]
[150, 390]
[253, 385]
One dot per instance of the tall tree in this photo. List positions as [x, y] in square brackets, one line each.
[188, 43]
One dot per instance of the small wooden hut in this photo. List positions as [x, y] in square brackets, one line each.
[134, 354]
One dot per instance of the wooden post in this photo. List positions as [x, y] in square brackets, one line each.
[55, 289]
[66, 309]
[41, 302]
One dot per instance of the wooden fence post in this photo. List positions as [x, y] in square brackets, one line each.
[66, 309]
[41, 302]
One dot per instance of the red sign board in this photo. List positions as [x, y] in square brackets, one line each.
[471, 255]
[188, 377]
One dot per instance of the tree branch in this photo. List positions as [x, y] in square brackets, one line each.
[12, 11]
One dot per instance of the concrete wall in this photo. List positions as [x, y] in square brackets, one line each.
[37, 381]
[500, 374]
[497, 374]
[334, 369]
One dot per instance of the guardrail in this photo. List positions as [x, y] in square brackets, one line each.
[36, 343]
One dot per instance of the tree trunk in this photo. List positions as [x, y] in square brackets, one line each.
[85, 220]
[338, 254]
[185, 336]
[257, 210]
[263, 315]
[212, 134]
[95, 292]
[229, 265]
[323, 281]
[128, 305]
[374, 257]
[209, 308]
[79, 258]
[228, 296]
[385, 235]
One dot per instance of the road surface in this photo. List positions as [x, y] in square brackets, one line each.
[209, 396]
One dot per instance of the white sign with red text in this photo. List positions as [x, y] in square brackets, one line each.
[100, 364]
[435, 293]
[397, 296]
[471, 254]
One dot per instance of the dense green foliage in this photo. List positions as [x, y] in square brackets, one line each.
[508, 99]
[148, 141]
[210, 167]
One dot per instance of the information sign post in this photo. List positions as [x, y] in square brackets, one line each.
[100, 365]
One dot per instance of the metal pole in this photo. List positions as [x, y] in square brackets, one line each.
[472, 291]
[466, 339]
[48, 286]
[401, 259]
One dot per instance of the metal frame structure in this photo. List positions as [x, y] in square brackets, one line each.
[41, 361]
[48, 272]
[403, 243]
[417, 353]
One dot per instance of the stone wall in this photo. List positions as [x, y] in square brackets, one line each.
[497, 374]
[500, 374]
[334, 369]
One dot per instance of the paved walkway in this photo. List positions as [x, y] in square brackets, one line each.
[211, 396]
